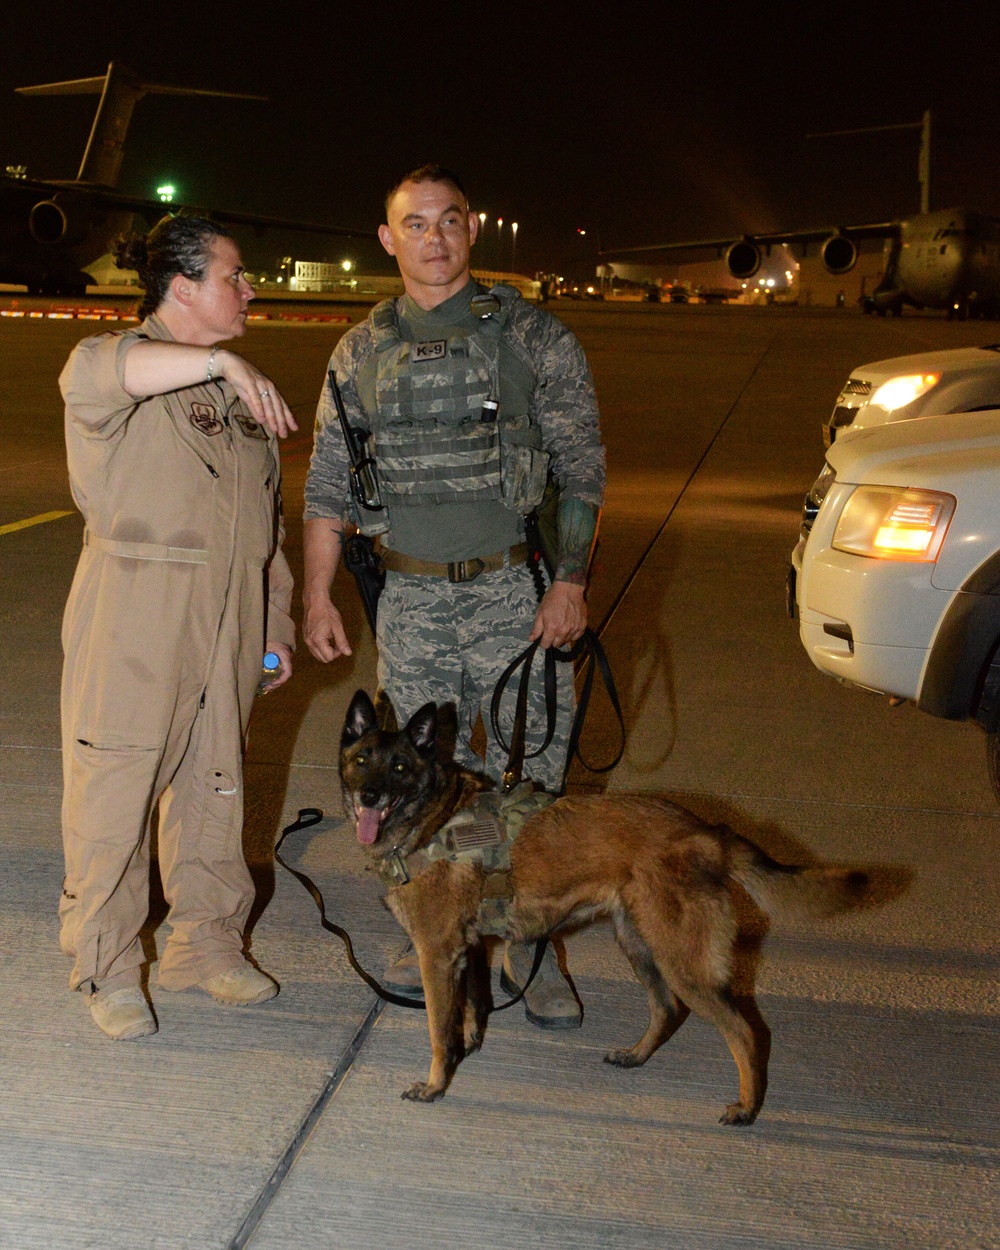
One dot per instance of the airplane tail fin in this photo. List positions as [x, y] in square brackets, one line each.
[120, 90]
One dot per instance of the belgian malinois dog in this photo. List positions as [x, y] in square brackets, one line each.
[660, 874]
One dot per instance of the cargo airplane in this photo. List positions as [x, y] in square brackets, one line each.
[51, 231]
[947, 259]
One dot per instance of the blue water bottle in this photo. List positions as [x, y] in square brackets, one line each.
[270, 668]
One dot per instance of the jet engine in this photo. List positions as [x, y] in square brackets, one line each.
[743, 258]
[51, 222]
[839, 253]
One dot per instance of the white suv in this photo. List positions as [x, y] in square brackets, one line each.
[964, 379]
[896, 576]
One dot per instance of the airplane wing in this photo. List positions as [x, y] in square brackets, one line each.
[873, 230]
[155, 209]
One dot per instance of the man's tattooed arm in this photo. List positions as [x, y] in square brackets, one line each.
[577, 528]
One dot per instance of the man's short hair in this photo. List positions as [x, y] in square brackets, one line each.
[427, 173]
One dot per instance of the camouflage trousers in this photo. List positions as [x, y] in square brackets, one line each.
[445, 643]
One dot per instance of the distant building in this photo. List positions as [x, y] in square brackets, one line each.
[339, 282]
[530, 288]
[106, 273]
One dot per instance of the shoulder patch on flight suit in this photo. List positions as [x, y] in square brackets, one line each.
[250, 427]
[429, 351]
[205, 419]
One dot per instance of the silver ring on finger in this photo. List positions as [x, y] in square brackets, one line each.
[264, 394]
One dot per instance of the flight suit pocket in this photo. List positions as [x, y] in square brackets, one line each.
[222, 813]
[109, 789]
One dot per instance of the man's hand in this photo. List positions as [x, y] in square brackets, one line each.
[323, 630]
[561, 616]
[284, 654]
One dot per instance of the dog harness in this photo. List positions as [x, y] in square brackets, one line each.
[479, 834]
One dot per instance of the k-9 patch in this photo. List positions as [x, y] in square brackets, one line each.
[429, 351]
[205, 419]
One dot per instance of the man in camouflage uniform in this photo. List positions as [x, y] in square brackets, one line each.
[470, 402]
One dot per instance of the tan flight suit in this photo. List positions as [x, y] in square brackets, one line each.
[181, 581]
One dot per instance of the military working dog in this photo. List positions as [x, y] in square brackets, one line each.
[660, 874]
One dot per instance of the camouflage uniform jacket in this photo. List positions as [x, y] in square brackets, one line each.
[563, 404]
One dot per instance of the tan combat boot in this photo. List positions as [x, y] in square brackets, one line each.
[549, 1001]
[124, 1015]
[244, 986]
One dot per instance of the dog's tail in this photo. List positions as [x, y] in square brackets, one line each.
[794, 890]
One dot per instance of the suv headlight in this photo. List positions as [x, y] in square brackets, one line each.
[894, 523]
[898, 392]
[814, 499]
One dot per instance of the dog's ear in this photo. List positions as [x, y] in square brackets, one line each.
[360, 719]
[385, 712]
[421, 729]
[447, 732]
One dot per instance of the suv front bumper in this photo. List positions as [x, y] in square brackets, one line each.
[868, 622]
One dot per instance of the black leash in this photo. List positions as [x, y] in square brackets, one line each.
[588, 647]
[309, 816]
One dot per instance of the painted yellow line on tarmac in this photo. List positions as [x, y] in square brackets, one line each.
[32, 520]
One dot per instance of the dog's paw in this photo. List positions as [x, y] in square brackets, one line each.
[422, 1092]
[473, 1042]
[738, 1116]
[623, 1058]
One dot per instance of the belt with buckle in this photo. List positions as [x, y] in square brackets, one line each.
[458, 570]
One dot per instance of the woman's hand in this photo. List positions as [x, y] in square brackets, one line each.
[284, 654]
[156, 367]
[258, 392]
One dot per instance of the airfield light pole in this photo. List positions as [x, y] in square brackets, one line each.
[924, 164]
[500, 243]
[513, 246]
[482, 233]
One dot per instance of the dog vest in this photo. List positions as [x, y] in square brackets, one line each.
[440, 434]
[479, 834]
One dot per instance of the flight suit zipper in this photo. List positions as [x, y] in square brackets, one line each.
[232, 447]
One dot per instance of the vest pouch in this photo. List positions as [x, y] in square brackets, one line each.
[427, 461]
[524, 464]
[372, 522]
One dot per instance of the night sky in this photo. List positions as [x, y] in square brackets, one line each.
[639, 122]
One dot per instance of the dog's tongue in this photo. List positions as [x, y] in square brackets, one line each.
[368, 825]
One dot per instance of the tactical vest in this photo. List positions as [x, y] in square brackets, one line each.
[440, 434]
[479, 834]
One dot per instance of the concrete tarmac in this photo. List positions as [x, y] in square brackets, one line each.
[281, 1126]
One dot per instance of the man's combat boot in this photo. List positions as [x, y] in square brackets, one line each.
[549, 1001]
[403, 976]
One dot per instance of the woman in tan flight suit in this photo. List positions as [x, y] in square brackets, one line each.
[181, 587]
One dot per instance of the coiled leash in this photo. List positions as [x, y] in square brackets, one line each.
[587, 648]
[309, 816]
